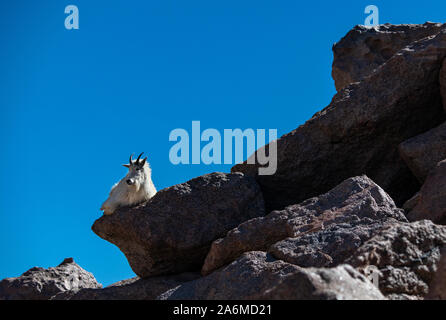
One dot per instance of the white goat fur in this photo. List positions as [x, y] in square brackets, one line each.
[142, 188]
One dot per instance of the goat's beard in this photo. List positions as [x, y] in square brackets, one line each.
[136, 186]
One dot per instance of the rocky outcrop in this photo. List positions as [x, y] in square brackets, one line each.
[131, 289]
[41, 284]
[406, 257]
[245, 278]
[329, 228]
[442, 80]
[257, 275]
[363, 49]
[172, 232]
[423, 152]
[359, 132]
[412, 202]
[328, 247]
[324, 230]
[340, 283]
[437, 287]
[431, 202]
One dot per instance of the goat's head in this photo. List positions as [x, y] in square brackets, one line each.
[138, 171]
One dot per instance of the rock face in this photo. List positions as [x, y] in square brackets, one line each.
[172, 232]
[252, 273]
[432, 198]
[412, 202]
[41, 284]
[340, 283]
[330, 228]
[257, 273]
[406, 257]
[364, 49]
[328, 247]
[437, 287]
[423, 152]
[442, 80]
[324, 230]
[359, 132]
[131, 289]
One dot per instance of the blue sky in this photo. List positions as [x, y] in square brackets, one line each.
[75, 103]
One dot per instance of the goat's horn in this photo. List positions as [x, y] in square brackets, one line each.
[130, 161]
[137, 160]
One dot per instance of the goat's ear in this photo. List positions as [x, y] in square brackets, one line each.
[126, 165]
[143, 162]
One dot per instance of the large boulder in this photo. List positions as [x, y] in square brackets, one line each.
[431, 201]
[442, 79]
[359, 132]
[437, 287]
[41, 284]
[363, 49]
[330, 246]
[340, 283]
[412, 202]
[130, 289]
[245, 278]
[173, 231]
[423, 152]
[323, 230]
[405, 257]
[257, 275]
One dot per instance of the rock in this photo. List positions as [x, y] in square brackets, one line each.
[359, 132]
[256, 274]
[412, 202]
[437, 288]
[173, 231]
[405, 255]
[131, 289]
[402, 297]
[364, 49]
[328, 247]
[423, 152]
[432, 200]
[245, 278]
[442, 79]
[41, 284]
[340, 283]
[349, 214]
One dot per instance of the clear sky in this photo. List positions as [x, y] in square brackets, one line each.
[75, 103]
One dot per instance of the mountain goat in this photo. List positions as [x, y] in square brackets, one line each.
[135, 188]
